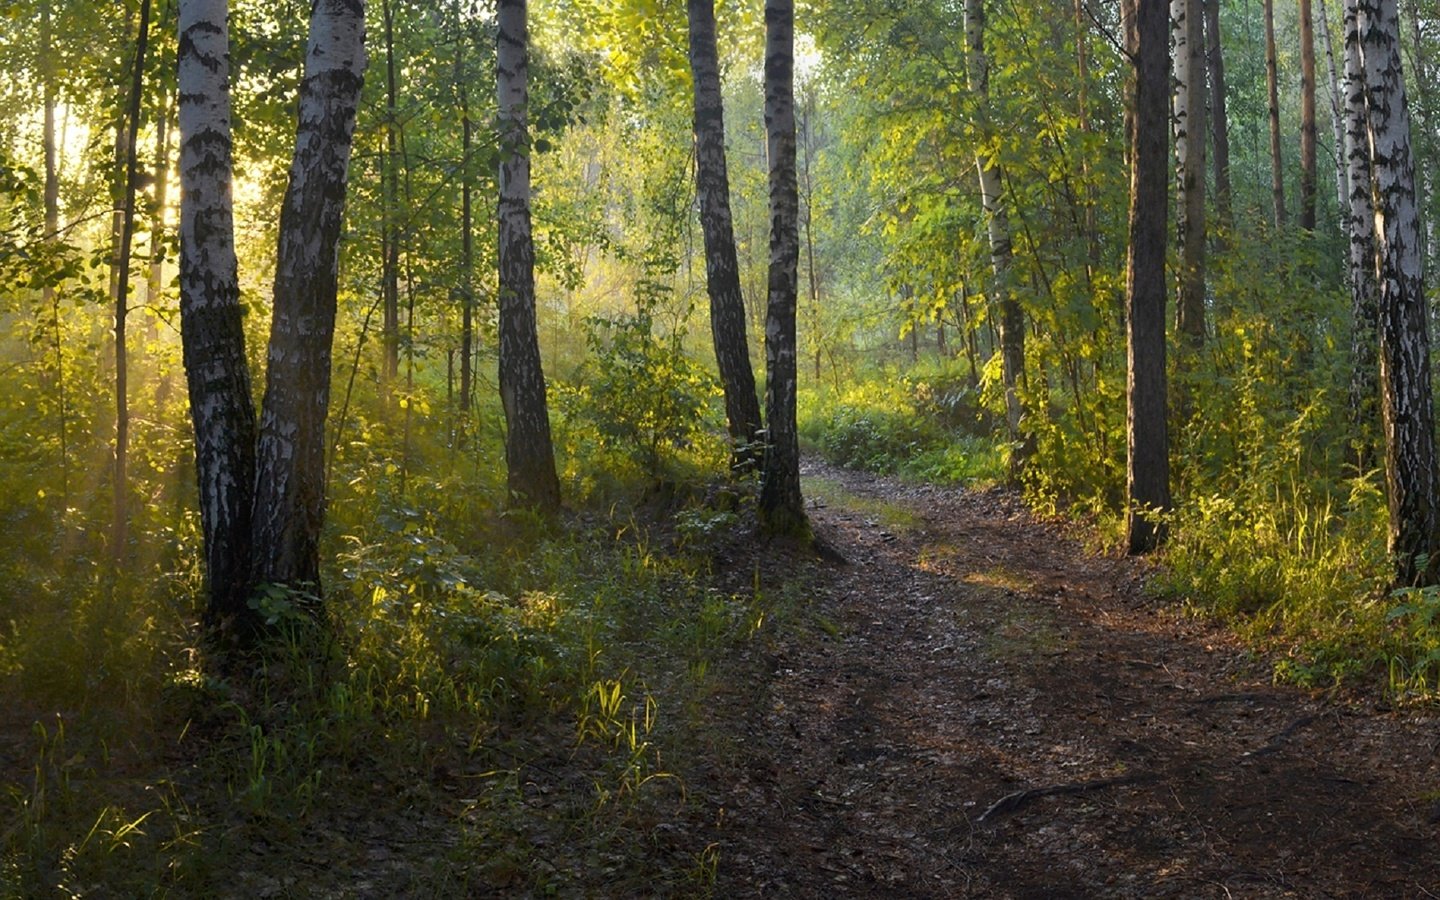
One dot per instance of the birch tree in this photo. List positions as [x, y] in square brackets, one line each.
[722, 268]
[782, 509]
[1148, 459]
[1360, 223]
[1406, 404]
[212, 332]
[290, 455]
[529, 452]
[1189, 123]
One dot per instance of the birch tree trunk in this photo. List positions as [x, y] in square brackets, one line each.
[1219, 117]
[1360, 221]
[782, 509]
[1308, 174]
[1409, 419]
[1148, 459]
[1337, 118]
[120, 523]
[722, 268]
[1189, 120]
[1272, 91]
[529, 453]
[211, 319]
[1012, 318]
[290, 477]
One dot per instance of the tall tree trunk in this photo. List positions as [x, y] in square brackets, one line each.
[290, 478]
[1219, 117]
[1012, 318]
[1337, 119]
[1308, 176]
[1082, 77]
[155, 284]
[1190, 166]
[529, 453]
[782, 509]
[1148, 460]
[1409, 419]
[1360, 220]
[49, 296]
[119, 527]
[1272, 90]
[467, 259]
[211, 317]
[390, 236]
[722, 268]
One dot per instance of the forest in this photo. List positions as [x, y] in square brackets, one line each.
[630, 448]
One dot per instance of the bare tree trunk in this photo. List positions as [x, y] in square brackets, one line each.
[782, 509]
[722, 268]
[1272, 88]
[390, 233]
[1337, 118]
[1012, 318]
[1219, 117]
[529, 453]
[120, 524]
[1308, 177]
[1148, 459]
[1409, 419]
[290, 476]
[211, 317]
[467, 227]
[1190, 166]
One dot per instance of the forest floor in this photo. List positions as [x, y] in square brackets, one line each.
[992, 710]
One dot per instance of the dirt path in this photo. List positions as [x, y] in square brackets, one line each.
[999, 713]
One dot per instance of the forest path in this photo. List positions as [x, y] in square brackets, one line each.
[990, 710]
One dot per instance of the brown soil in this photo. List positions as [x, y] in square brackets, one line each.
[989, 710]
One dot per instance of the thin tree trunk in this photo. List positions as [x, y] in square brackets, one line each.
[1190, 166]
[155, 284]
[1409, 419]
[722, 268]
[1219, 117]
[1082, 76]
[529, 453]
[119, 528]
[467, 260]
[1308, 176]
[1272, 89]
[290, 476]
[1148, 459]
[1337, 118]
[1012, 318]
[211, 317]
[49, 295]
[390, 237]
[782, 509]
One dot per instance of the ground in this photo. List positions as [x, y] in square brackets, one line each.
[992, 710]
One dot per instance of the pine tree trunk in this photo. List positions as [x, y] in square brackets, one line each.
[529, 453]
[290, 480]
[1189, 120]
[1272, 89]
[1308, 171]
[722, 268]
[1148, 461]
[1409, 419]
[1360, 219]
[1012, 318]
[211, 317]
[120, 524]
[782, 509]
[1219, 117]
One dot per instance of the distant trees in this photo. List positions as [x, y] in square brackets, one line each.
[529, 452]
[782, 509]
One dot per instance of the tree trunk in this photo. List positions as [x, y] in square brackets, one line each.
[390, 236]
[1337, 118]
[155, 283]
[119, 528]
[529, 454]
[722, 268]
[290, 480]
[211, 317]
[1364, 291]
[49, 296]
[1272, 89]
[1148, 462]
[782, 509]
[1190, 166]
[1219, 118]
[1409, 420]
[1012, 318]
[1308, 177]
